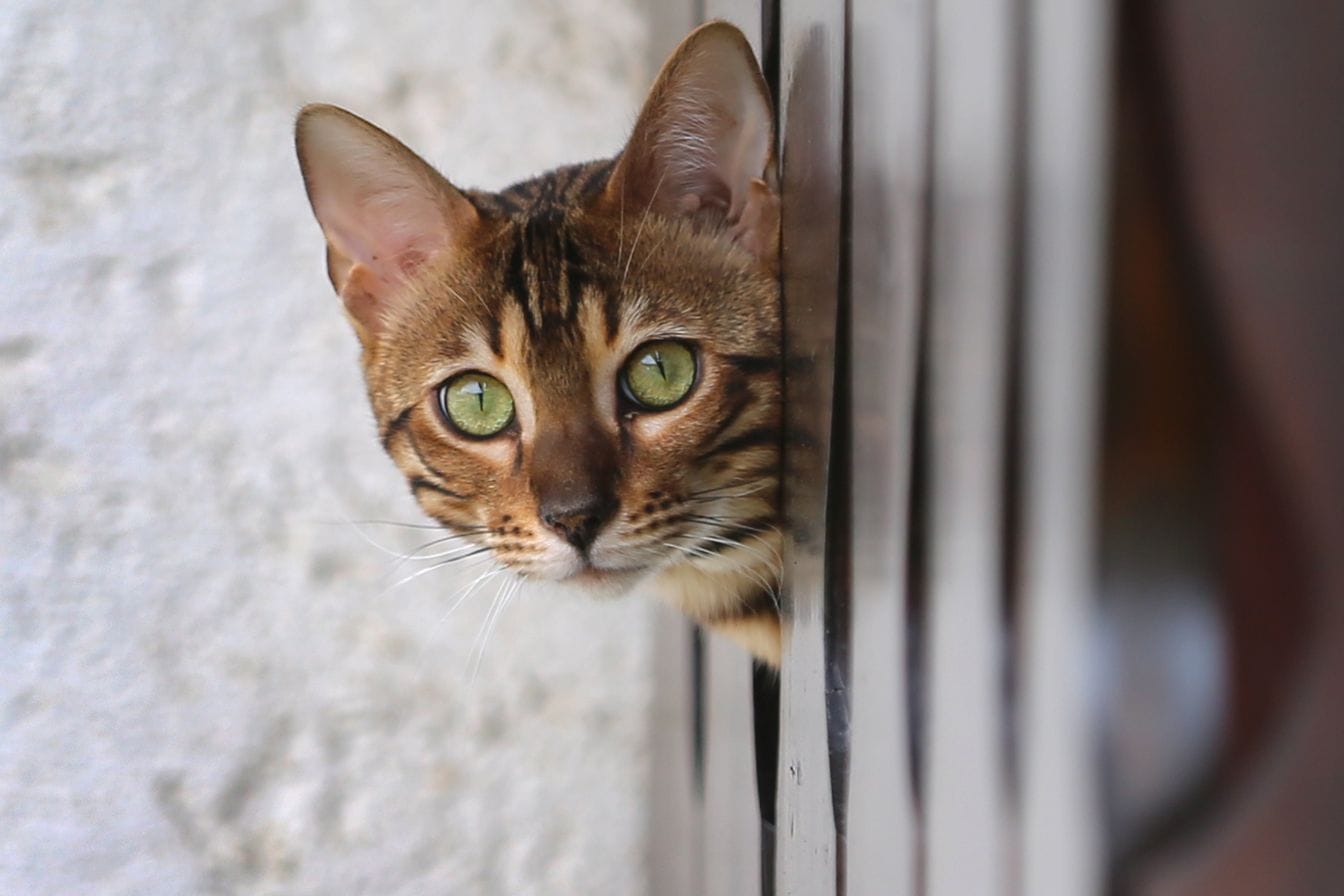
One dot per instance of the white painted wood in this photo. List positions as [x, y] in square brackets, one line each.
[1067, 97]
[812, 65]
[669, 22]
[889, 56]
[732, 824]
[972, 233]
[676, 810]
[745, 14]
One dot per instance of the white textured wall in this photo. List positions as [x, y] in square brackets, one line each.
[203, 688]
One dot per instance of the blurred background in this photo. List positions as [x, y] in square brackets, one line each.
[1068, 274]
[208, 683]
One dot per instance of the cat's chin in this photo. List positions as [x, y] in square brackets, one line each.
[597, 582]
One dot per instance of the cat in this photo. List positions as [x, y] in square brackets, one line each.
[581, 374]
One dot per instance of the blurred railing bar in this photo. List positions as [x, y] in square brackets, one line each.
[973, 116]
[889, 84]
[676, 811]
[731, 834]
[1067, 99]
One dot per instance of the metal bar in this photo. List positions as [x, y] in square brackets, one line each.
[971, 271]
[1067, 100]
[812, 42]
[889, 57]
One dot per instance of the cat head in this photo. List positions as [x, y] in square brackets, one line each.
[581, 372]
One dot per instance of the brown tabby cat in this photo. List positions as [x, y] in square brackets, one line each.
[581, 373]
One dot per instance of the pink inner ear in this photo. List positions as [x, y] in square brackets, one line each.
[712, 148]
[410, 260]
[381, 241]
[391, 238]
[706, 133]
[756, 226]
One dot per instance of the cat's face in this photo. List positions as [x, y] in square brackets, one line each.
[580, 372]
[628, 413]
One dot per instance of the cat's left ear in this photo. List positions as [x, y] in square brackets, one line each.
[704, 143]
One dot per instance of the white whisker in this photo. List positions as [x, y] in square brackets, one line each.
[419, 553]
[436, 526]
[415, 575]
[461, 598]
[620, 227]
[497, 606]
[639, 231]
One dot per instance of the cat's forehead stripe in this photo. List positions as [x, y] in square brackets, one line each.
[545, 273]
[541, 260]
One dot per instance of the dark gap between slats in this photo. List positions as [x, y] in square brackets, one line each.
[837, 620]
[1015, 406]
[698, 711]
[917, 529]
[765, 681]
[770, 50]
[765, 712]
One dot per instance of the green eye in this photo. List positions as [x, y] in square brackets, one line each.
[477, 404]
[659, 374]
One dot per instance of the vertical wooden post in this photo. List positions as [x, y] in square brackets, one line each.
[812, 60]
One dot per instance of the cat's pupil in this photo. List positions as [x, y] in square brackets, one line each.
[655, 359]
[476, 388]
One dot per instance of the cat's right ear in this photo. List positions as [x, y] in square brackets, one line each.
[703, 146]
[384, 211]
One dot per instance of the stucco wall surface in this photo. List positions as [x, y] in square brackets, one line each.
[206, 685]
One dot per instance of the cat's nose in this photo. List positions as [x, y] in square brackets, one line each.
[578, 521]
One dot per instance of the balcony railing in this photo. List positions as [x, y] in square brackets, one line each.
[1064, 305]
